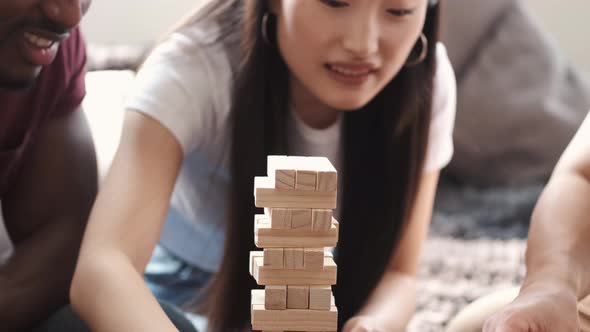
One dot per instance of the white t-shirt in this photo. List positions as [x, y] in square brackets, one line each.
[185, 85]
[5, 243]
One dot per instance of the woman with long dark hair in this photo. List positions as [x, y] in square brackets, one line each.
[364, 83]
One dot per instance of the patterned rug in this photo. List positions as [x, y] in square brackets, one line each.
[476, 246]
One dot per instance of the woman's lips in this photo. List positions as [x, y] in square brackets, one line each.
[350, 74]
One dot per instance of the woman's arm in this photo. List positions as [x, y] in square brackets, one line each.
[108, 290]
[393, 301]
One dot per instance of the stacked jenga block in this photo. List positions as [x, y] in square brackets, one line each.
[298, 197]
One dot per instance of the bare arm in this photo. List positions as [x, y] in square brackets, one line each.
[559, 246]
[46, 212]
[392, 303]
[558, 250]
[108, 289]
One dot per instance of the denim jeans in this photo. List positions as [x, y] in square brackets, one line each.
[175, 281]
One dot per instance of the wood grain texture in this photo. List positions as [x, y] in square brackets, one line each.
[291, 319]
[266, 276]
[266, 237]
[266, 196]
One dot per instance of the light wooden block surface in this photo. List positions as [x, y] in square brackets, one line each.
[282, 171]
[285, 178]
[274, 258]
[277, 162]
[297, 297]
[313, 259]
[327, 181]
[320, 297]
[321, 219]
[301, 219]
[293, 258]
[275, 297]
[280, 218]
[266, 276]
[327, 175]
[291, 319]
[267, 196]
[266, 237]
[306, 180]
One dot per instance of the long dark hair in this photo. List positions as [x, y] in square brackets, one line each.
[384, 146]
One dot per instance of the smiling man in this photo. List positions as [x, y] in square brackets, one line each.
[47, 162]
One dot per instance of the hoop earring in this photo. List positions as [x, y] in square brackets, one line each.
[264, 28]
[423, 52]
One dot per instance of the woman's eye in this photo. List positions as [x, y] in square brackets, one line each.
[401, 12]
[334, 3]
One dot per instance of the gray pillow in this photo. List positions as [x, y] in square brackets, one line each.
[519, 100]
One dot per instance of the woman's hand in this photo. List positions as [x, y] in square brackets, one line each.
[537, 310]
[362, 324]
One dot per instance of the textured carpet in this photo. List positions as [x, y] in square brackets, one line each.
[476, 246]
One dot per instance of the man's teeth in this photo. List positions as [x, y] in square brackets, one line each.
[346, 71]
[38, 41]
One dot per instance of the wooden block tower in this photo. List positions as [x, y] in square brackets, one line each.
[298, 198]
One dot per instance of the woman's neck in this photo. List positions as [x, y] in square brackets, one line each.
[310, 110]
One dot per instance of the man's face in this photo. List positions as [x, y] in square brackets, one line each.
[30, 34]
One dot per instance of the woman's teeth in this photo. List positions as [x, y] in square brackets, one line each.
[349, 72]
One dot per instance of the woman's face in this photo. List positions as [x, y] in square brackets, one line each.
[344, 52]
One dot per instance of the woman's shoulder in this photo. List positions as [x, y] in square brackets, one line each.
[197, 46]
[444, 85]
[184, 85]
[444, 78]
[443, 61]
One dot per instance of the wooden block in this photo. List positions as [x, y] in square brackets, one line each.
[285, 178]
[327, 175]
[276, 162]
[266, 276]
[281, 170]
[306, 180]
[320, 297]
[327, 181]
[313, 259]
[280, 218]
[291, 319]
[321, 219]
[267, 196]
[297, 297]
[273, 258]
[252, 263]
[301, 219]
[275, 297]
[293, 258]
[266, 237]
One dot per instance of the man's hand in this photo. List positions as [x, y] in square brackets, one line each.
[539, 308]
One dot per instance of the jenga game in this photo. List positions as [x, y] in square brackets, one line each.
[298, 197]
